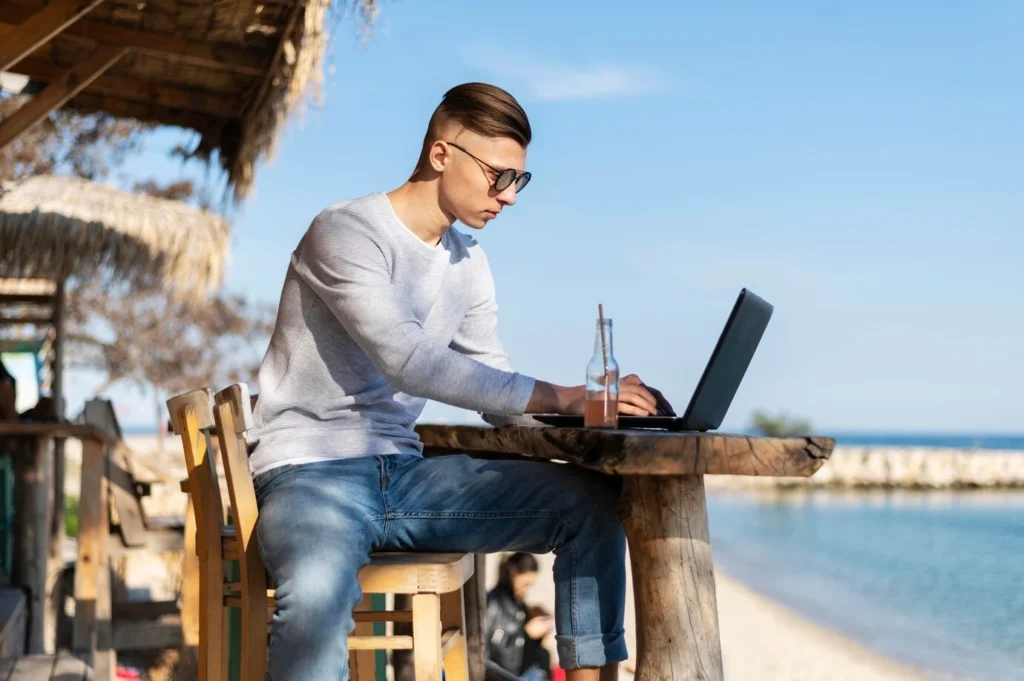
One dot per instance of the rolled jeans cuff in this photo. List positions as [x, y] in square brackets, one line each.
[592, 650]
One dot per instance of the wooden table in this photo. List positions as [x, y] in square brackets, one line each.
[664, 514]
[40, 530]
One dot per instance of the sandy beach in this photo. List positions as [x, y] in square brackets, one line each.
[762, 640]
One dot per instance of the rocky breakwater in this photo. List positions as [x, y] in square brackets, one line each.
[901, 467]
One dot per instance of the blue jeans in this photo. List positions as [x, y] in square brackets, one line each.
[318, 523]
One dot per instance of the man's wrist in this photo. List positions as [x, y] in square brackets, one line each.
[571, 400]
[549, 398]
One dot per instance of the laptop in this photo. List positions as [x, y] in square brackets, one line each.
[719, 382]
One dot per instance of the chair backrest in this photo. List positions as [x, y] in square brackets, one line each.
[191, 416]
[233, 417]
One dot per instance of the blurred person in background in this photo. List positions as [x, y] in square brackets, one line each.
[515, 631]
[41, 411]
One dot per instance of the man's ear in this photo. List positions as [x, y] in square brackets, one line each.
[438, 156]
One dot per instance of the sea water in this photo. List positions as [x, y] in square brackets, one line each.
[933, 579]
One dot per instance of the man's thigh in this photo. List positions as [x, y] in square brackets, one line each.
[458, 503]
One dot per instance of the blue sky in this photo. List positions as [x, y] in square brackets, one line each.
[859, 166]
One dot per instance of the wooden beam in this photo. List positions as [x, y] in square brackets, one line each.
[211, 55]
[29, 319]
[28, 298]
[74, 80]
[123, 108]
[148, 635]
[268, 76]
[42, 25]
[27, 429]
[144, 610]
[138, 90]
[380, 643]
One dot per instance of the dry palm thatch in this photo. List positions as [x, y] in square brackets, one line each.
[61, 227]
[232, 70]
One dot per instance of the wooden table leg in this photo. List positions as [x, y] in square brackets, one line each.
[666, 523]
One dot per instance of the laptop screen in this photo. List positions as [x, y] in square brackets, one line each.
[728, 363]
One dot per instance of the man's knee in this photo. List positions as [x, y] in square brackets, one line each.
[323, 582]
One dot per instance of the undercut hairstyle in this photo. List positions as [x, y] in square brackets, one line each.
[485, 109]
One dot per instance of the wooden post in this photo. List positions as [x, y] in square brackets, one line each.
[55, 598]
[59, 337]
[34, 489]
[104, 657]
[666, 523]
[35, 31]
[76, 79]
[92, 628]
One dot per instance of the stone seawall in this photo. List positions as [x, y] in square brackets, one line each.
[901, 467]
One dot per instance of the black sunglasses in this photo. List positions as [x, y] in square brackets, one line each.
[504, 177]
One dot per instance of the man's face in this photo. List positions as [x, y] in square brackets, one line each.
[467, 183]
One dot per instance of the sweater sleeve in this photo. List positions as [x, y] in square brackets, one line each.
[342, 262]
[477, 337]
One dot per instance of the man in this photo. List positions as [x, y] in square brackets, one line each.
[385, 306]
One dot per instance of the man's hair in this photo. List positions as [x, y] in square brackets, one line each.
[485, 109]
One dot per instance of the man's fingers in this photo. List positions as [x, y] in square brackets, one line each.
[630, 410]
[639, 396]
[632, 379]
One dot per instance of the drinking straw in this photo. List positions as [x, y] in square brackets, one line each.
[604, 355]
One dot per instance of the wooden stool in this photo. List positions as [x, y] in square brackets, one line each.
[434, 581]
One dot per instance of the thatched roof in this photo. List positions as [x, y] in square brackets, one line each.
[56, 227]
[233, 70]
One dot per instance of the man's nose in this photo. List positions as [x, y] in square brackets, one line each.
[507, 197]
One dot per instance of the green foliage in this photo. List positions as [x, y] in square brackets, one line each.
[779, 426]
[71, 516]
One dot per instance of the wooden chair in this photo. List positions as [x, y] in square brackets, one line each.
[434, 581]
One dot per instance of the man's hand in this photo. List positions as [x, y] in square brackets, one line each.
[634, 398]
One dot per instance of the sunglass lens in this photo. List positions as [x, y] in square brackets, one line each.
[505, 178]
[523, 180]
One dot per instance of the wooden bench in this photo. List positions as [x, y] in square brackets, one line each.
[13, 623]
[62, 667]
[137, 625]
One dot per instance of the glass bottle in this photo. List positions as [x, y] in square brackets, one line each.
[601, 401]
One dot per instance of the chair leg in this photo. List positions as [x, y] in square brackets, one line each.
[453, 616]
[426, 636]
[190, 612]
[361, 663]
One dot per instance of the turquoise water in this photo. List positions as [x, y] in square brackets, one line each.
[955, 441]
[934, 579]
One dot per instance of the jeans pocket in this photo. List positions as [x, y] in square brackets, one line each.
[263, 480]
